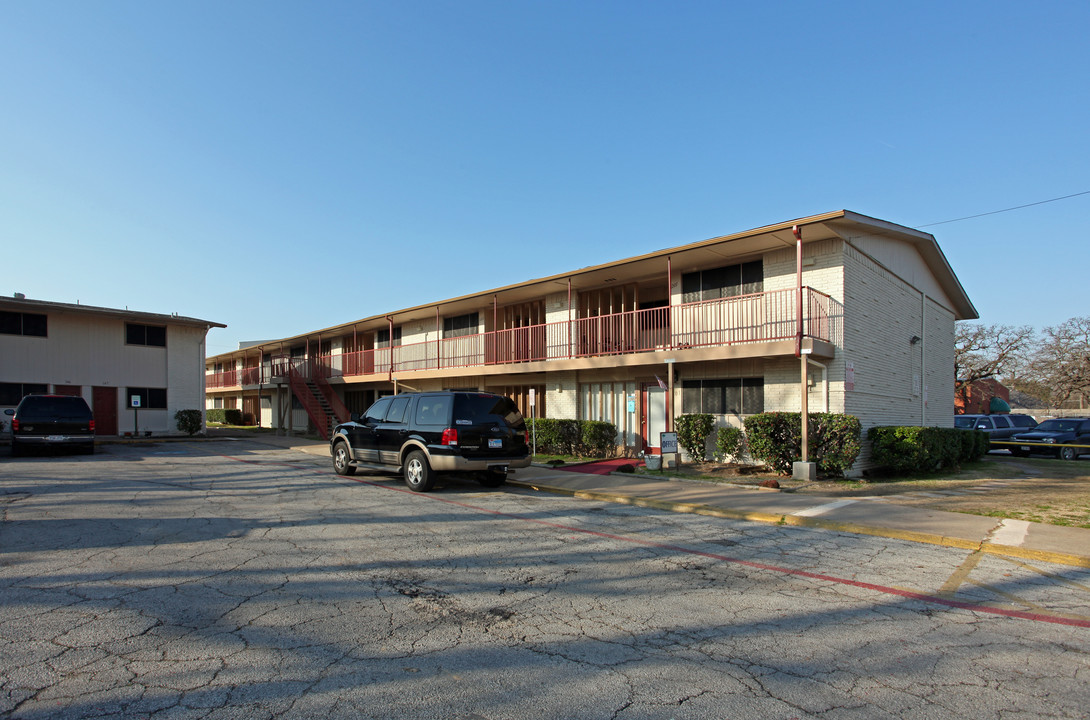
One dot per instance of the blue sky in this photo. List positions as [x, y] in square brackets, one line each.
[284, 166]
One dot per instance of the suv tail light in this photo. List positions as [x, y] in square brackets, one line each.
[450, 436]
[91, 426]
[15, 424]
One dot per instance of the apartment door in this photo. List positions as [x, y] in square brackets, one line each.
[251, 410]
[104, 402]
[76, 390]
[653, 421]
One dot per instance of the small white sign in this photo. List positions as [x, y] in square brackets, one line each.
[135, 401]
[533, 397]
[668, 442]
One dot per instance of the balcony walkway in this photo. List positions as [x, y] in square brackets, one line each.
[766, 321]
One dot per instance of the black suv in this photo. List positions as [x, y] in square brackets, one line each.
[1069, 432]
[421, 434]
[52, 421]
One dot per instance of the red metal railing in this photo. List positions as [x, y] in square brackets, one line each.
[760, 317]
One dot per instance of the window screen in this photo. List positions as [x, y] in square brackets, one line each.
[150, 335]
[729, 396]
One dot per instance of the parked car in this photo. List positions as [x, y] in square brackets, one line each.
[1058, 431]
[998, 427]
[422, 434]
[51, 421]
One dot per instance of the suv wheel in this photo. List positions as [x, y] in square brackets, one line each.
[418, 474]
[1068, 453]
[340, 460]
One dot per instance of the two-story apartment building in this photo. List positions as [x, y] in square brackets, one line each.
[852, 313]
[107, 356]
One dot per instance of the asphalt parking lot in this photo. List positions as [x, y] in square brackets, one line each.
[232, 579]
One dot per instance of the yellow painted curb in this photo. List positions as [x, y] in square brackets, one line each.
[1038, 555]
[910, 535]
[817, 523]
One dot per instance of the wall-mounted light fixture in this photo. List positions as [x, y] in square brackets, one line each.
[914, 339]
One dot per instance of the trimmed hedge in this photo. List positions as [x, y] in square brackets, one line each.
[912, 449]
[599, 439]
[693, 431]
[580, 438]
[775, 438]
[223, 416]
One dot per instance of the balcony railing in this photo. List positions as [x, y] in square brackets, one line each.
[760, 317]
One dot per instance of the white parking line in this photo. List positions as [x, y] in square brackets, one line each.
[822, 509]
[1011, 532]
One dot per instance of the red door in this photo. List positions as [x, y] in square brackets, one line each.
[76, 390]
[104, 406]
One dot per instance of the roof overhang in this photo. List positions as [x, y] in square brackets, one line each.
[44, 306]
[651, 267]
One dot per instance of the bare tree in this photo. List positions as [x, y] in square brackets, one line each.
[1062, 360]
[984, 351]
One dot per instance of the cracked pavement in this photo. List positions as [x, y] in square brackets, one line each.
[232, 579]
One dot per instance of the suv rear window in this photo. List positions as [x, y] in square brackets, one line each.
[479, 409]
[53, 408]
[433, 410]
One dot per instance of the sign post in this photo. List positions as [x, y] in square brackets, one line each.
[533, 423]
[134, 401]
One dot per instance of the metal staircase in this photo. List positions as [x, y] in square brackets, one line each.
[317, 397]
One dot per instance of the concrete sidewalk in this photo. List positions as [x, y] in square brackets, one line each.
[866, 516]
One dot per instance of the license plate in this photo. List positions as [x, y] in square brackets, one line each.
[494, 443]
[1025, 448]
[55, 438]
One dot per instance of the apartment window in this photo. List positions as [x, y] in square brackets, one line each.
[730, 396]
[382, 337]
[721, 282]
[150, 335]
[19, 323]
[12, 393]
[459, 325]
[153, 398]
[217, 403]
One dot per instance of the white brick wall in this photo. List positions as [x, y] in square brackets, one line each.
[561, 396]
[893, 377]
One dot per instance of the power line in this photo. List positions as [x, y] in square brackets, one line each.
[996, 212]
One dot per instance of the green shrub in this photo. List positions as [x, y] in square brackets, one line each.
[542, 434]
[215, 415]
[232, 417]
[775, 439]
[913, 449]
[835, 441]
[572, 437]
[599, 438]
[188, 421]
[730, 442]
[693, 431]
